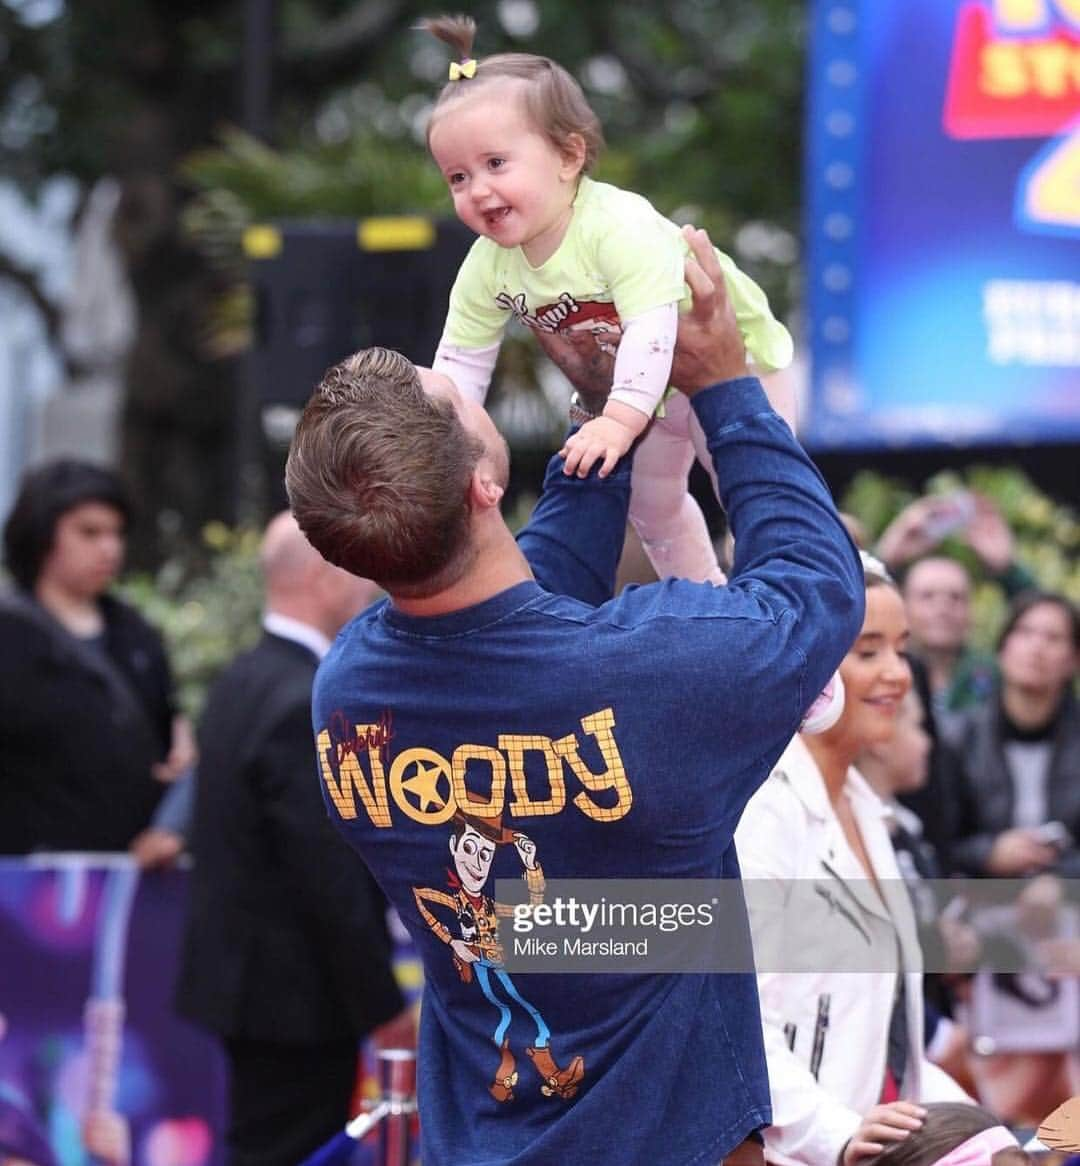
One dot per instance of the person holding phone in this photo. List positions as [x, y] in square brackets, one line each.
[1016, 790]
[937, 590]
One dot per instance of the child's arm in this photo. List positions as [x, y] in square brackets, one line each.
[469, 368]
[473, 331]
[642, 371]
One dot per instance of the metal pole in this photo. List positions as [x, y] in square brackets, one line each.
[256, 78]
[397, 1078]
[258, 67]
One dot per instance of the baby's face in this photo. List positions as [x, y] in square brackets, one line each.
[508, 181]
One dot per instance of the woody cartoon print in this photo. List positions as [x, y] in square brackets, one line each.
[477, 950]
[410, 801]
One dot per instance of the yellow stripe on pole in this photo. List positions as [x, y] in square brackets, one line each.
[262, 242]
[396, 234]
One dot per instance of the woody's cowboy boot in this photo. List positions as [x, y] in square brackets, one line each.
[502, 1088]
[557, 1082]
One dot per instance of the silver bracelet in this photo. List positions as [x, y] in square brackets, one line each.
[579, 414]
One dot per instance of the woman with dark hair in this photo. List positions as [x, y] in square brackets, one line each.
[1018, 788]
[88, 729]
[835, 940]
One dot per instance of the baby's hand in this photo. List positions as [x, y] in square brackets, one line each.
[602, 437]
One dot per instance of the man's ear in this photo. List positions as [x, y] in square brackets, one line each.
[573, 155]
[484, 491]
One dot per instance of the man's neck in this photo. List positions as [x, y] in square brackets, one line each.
[940, 665]
[80, 614]
[1030, 708]
[496, 565]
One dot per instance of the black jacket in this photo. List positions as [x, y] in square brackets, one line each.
[984, 790]
[74, 769]
[286, 938]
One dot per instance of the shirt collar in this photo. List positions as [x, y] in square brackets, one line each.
[300, 633]
[804, 777]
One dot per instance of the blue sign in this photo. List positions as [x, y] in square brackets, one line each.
[943, 229]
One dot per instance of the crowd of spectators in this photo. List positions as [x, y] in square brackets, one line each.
[1001, 796]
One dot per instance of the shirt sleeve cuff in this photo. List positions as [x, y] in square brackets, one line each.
[730, 401]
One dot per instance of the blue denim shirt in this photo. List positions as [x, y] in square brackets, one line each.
[622, 738]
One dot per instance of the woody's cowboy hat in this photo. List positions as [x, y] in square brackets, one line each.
[490, 826]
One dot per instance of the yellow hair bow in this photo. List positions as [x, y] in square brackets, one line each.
[464, 69]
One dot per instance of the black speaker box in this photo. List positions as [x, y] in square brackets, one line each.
[325, 289]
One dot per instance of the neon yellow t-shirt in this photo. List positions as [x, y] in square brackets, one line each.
[619, 258]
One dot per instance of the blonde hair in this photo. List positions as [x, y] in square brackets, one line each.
[552, 99]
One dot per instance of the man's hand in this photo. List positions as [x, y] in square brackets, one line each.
[1018, 852]
[709, 347]
[526, 849]
[907, 536]
[989, 536]
[182, 755]
[881, 1126]
[156, 848]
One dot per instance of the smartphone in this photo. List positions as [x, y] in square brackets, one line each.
[950, 513]
[1054, 834]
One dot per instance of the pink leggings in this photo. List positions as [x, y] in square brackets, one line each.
[665, 515]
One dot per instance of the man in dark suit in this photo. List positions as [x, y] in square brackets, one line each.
[286, 956]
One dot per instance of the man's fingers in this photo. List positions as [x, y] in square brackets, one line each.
[702, 291]
[702, 285]
[703, 252]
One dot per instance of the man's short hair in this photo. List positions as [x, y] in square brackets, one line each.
[378, 474]
[905, 572]
[46, 493]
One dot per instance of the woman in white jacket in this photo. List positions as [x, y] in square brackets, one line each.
[839, 968]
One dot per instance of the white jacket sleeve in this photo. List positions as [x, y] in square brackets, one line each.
[936, 1085]
[809, 1124]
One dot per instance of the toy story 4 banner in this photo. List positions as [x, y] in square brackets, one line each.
[943, 222]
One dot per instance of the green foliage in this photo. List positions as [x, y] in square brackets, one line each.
[365, 174]
[206, 617]
[1046, 533]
